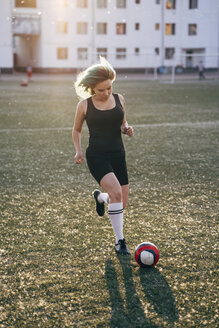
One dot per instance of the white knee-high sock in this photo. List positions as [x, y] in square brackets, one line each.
[103, 197]
[115, 211]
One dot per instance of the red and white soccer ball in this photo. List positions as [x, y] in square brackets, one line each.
[146, 254]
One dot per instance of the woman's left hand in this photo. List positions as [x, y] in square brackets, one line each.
[129, 131]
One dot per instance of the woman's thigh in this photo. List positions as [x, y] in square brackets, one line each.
[99, 167]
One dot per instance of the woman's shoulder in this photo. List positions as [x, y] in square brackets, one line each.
[121, 99]
[82, 106]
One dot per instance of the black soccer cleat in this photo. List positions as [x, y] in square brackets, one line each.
[100, 208]
[121, 247]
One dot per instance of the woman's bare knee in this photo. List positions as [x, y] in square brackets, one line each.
[111, 185]
[116, 195]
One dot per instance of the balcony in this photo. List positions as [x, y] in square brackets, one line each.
[26, 24]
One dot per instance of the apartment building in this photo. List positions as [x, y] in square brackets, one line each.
[131, 34]
[6, 46]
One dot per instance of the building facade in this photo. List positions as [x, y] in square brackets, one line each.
[131, 34]
[6, 44]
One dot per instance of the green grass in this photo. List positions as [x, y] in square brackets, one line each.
[57, 263]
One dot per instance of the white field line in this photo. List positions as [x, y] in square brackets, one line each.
[184, 124]
[155, 125]
[35, 129]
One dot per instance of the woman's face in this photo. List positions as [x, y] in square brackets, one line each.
[103, 90]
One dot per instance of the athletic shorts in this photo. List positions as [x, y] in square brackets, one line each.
[101, 165]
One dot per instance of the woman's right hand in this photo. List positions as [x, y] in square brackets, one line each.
[79, 158]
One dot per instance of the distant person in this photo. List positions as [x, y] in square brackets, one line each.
[104, 113]
[29, 72]
[201, 70]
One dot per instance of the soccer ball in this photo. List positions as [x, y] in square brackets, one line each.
[146, 254]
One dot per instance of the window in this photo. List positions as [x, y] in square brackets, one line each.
[121, 3]
[101, 52]
[61, 27]
[101, 3]
[137, 51]
[170, 4]
[157, 51]
[121, 28]
[137, 26]
[170, 29]
[25, 3]
[169, 53]
[82, 3]
[157, 26]
[120, 53]
[101, 28]
[137, 2]
[62, 53]
[192, 29]
[193, 4]
[82, 54]
[81, 28]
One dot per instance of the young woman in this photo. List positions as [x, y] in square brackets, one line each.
[104, 113]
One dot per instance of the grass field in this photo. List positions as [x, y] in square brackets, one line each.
[57, 263]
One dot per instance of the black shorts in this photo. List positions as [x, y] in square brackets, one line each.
[101, 165]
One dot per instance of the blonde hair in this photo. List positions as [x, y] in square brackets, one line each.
[93, 75]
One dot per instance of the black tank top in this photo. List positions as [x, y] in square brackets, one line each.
[104, 129]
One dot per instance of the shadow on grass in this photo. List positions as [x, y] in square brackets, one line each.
[159, 293]
[132, 313]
